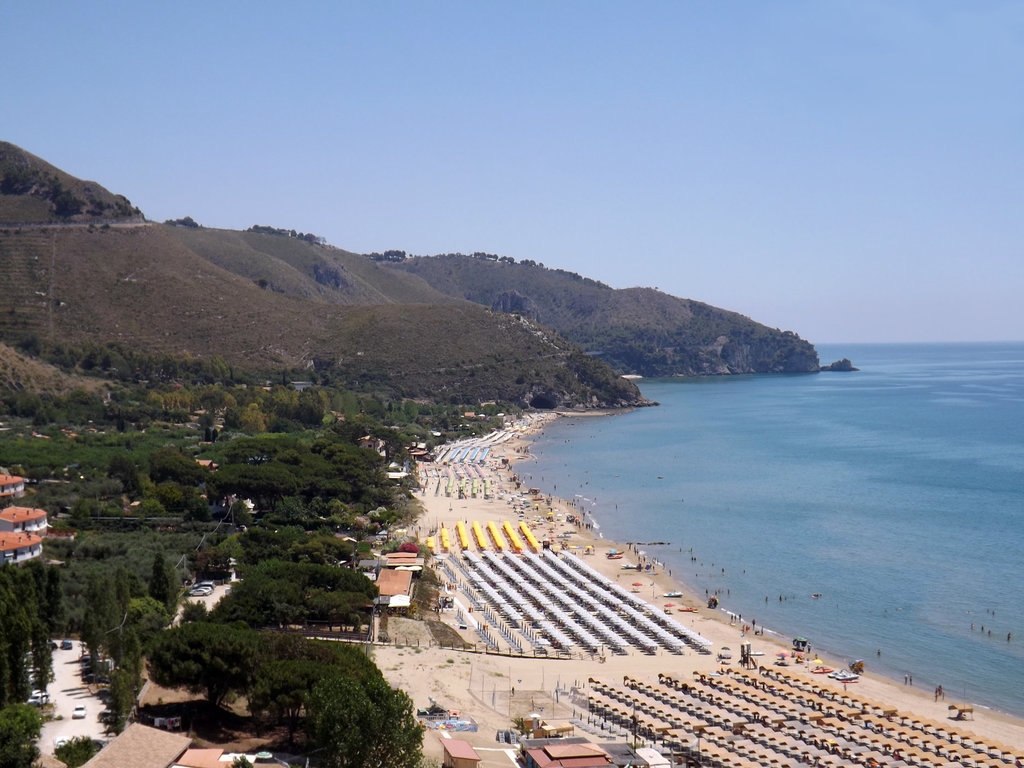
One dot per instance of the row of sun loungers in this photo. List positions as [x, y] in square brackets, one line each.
[743, 719]
[552, 600]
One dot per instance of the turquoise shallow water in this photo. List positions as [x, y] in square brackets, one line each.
[896, 493]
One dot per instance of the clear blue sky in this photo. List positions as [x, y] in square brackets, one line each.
[851, 171]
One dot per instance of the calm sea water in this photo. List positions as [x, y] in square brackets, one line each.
[896, 493]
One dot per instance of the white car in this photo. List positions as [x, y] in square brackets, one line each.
[200, 591]
[79, 713]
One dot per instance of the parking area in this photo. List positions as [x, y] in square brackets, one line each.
[208, 599]
[67, 691]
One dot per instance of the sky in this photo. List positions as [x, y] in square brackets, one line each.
[848, 170]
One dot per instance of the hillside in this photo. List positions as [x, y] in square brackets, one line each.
[20, 372]
[635, 330]
[150, 288]
[299, 268]
[33, 191]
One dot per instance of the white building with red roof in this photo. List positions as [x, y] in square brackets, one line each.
[23, 520]
[11, 486]
[18, 548]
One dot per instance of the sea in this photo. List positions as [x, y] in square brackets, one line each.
[878, 513]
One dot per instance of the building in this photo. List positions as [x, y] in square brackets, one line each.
[140, 746]
[11, 486]
[23, 520]
[459, 754]
[563, 753]
[18, 548]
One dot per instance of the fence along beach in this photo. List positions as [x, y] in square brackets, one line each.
[495, 683]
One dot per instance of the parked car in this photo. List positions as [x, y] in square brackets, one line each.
[67, 645]
[79, 712]
[198, 591]
[38, 698]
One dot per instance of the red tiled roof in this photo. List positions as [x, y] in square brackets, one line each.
[11, 481]
[12, 541]
[19, 514]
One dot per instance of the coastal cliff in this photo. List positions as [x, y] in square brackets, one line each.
[637, 331]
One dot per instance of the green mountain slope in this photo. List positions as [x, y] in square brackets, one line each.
[636, 330]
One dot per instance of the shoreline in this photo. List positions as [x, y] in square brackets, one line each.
[780, 635]
[719, 625]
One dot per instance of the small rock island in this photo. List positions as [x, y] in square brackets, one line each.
[839, 365]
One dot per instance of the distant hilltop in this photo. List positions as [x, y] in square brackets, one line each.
[34, 192]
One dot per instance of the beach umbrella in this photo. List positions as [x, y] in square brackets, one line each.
[638, 583]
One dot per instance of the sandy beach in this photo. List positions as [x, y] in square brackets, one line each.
[494, 688]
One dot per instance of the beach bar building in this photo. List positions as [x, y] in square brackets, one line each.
[563, 753]
[459, 754]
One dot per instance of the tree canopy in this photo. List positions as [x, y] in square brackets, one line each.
[363, 725]
[19, 728]
[211, 659]
[278, 593]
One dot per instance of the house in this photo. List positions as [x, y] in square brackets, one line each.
[459, 754]
[390, 583]
[410, 561]
[19, 547]
[140, 746]
[12, 486]
[563, 753]
[23, 520]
